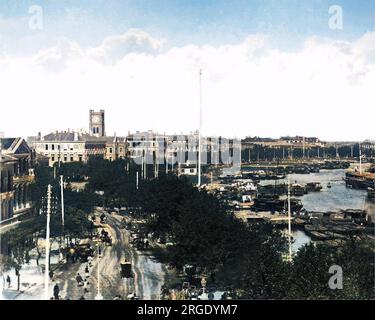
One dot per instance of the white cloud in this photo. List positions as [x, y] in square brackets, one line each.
[325, 89]
[116, 47]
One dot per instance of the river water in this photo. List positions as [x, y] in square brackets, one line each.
[328, 199]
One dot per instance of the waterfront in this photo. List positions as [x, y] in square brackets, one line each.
[328, 199]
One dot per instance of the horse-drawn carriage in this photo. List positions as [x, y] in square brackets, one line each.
[79, 252]
[105, 238]
[103, 218]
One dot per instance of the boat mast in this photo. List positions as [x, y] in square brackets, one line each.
[289, 223]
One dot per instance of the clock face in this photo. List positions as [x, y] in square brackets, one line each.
[96, 119]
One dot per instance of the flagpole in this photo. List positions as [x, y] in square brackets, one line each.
[200, 129]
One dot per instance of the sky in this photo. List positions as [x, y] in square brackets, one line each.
[269, 68]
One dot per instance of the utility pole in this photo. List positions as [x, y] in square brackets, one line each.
[145, 169]
[172, 161]
[137, 180]
[142, 172]
[46, 271]
[62, 201]
[303, 153]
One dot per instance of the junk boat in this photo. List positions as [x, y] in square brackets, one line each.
[274, 204]
[357, 180]
[313, 186]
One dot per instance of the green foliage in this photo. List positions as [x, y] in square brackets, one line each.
[38, 189]
[205, 235]
[73, 171]
[82, 200]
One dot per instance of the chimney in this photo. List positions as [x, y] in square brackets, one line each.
[75, 136]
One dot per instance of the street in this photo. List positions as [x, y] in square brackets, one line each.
[148, 274]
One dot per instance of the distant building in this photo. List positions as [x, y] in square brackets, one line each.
[16, 175]
[79, 146]
[188, 170]
[368, 145]
[97, 123]
[115, 148]
[300, 140]
[63, 147]
[178, 148]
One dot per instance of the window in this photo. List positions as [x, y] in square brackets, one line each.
[120, 149]
[71, 158]
[46, 147]
[110, 150]
[80, 158]
[53, 147]
[65, 158]
[53, 158]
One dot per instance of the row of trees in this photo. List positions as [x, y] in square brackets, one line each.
[248, 257]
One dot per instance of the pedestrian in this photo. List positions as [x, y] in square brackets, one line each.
[89, 259]
[87, 271]
[8, 281]
[51, 275]
[56, 291]
[85, 290]
[79, 280]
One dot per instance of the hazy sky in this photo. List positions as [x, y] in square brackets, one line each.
[270, 68]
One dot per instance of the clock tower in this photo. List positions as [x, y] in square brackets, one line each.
[97, 124]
